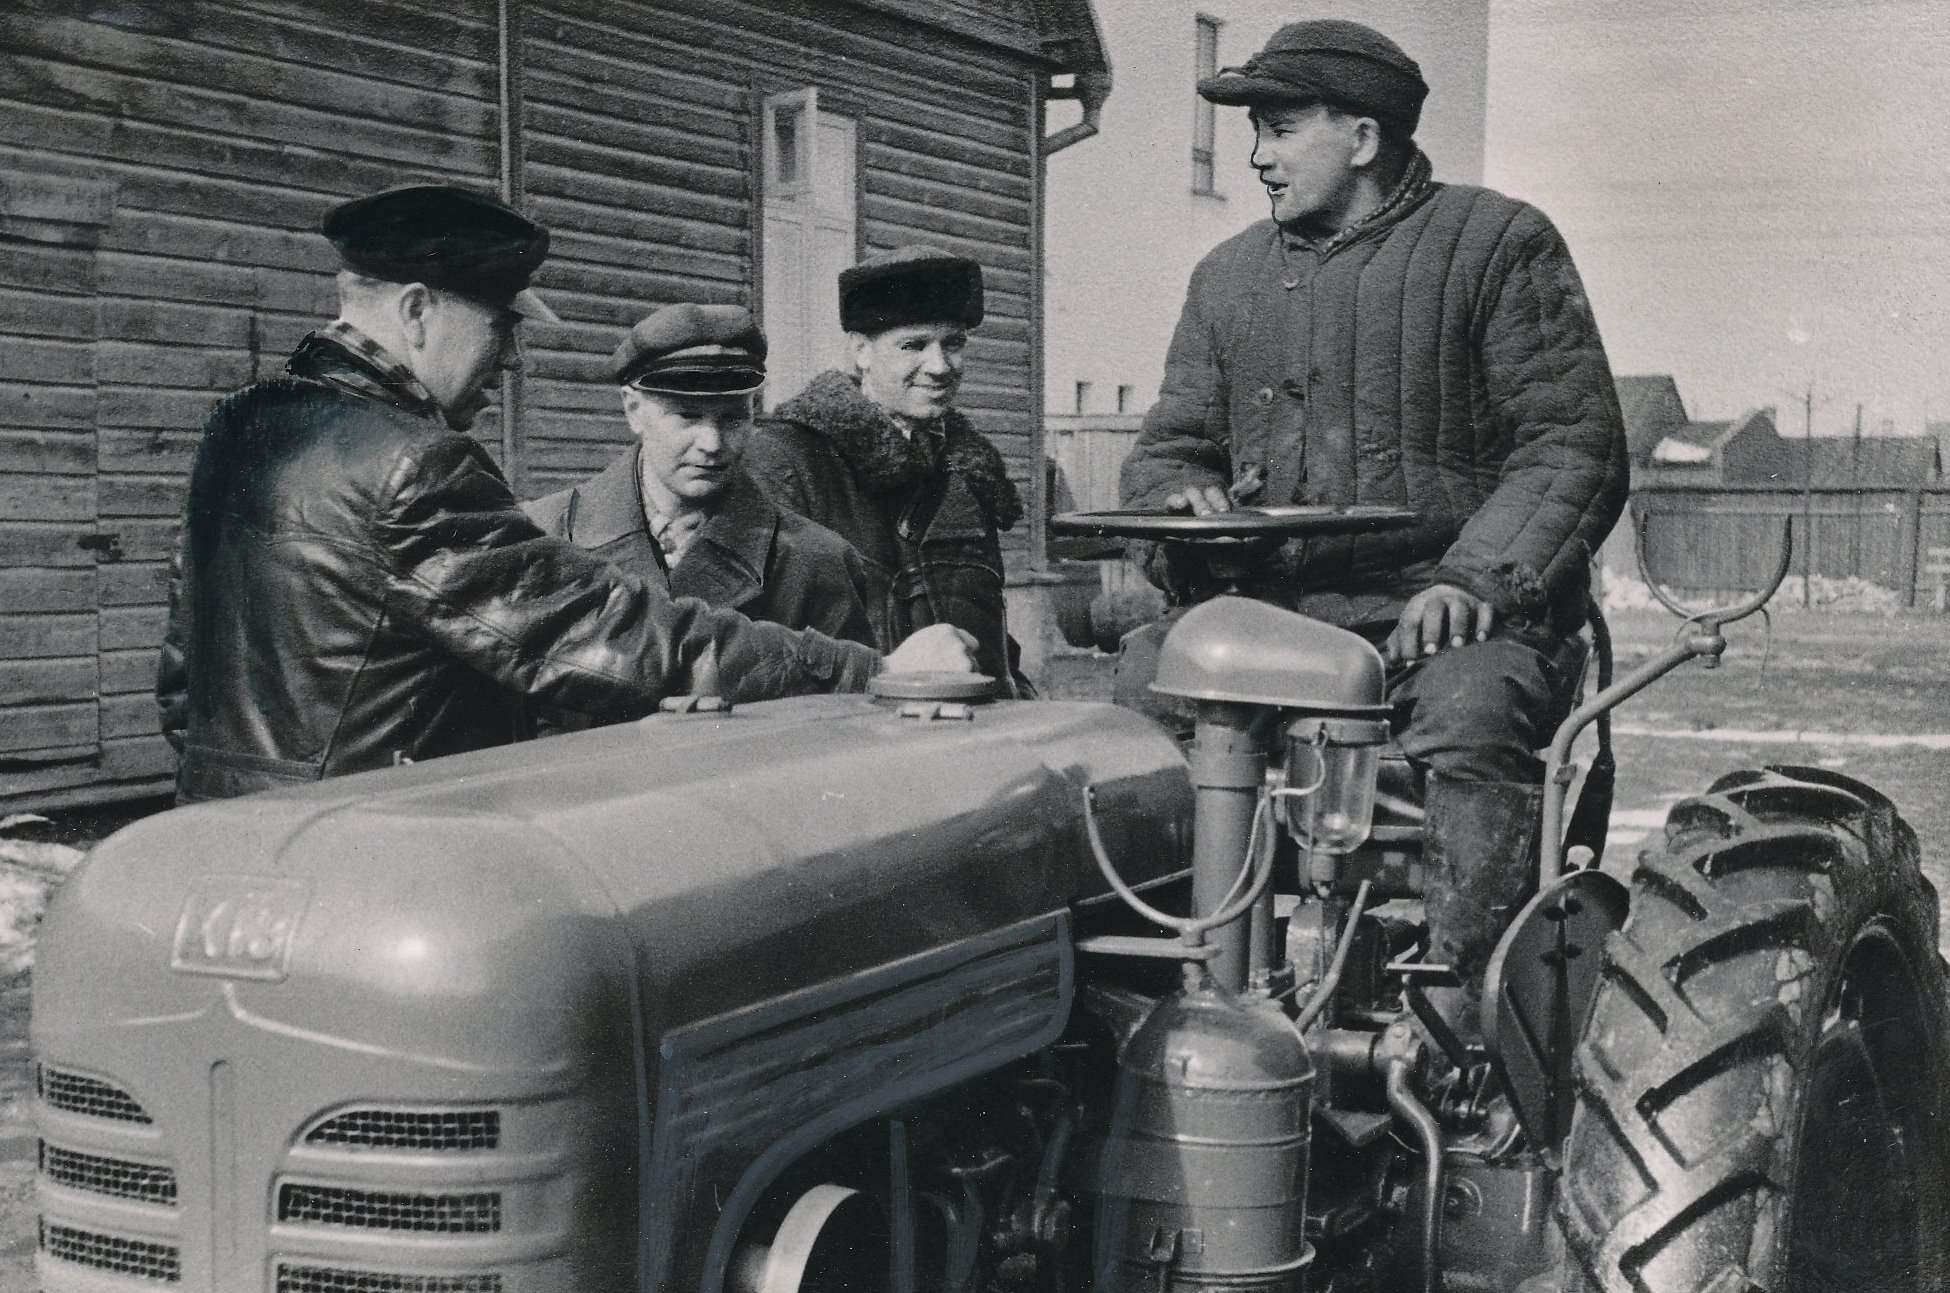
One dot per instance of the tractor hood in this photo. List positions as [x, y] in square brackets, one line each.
[453, 909]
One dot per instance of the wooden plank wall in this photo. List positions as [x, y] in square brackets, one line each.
[1721, 542]
[220, 132]
[640, 135]
[225, 129]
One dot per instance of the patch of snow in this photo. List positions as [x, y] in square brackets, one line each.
[1673, 450]
[29, 871]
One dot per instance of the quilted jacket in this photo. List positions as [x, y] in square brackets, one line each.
[1440, 357]
[356, 586]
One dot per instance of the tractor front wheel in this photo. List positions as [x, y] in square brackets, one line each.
[1764, 1085]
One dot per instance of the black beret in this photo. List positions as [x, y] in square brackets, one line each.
[444, 237]
[910, 285]
[1328, 60]
[694, 350]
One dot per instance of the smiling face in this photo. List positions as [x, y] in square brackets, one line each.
[1311, 158]
[690, 442]
[911, 371]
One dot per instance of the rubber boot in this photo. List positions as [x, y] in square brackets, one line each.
[1479, 857]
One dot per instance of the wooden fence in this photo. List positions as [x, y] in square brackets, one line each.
[1706, 540]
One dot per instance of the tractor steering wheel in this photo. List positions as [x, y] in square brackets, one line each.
[1222, 546]
[1245, 524]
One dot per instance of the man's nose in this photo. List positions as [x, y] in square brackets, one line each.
[709, 439]
[1255, 161]
[935, 360]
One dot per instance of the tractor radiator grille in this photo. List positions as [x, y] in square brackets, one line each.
[137, 1257]
[453, 1214]
[77, 1093]
[116, 1176]
[324, 1279]
[447, 1129]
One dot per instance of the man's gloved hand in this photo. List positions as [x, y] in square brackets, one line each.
[1438, 616]
[938, 648]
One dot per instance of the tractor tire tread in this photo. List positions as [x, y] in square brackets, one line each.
[1712, 992]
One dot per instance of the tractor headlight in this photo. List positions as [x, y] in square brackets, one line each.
[1330, 781]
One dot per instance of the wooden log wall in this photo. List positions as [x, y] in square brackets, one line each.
[163, 169]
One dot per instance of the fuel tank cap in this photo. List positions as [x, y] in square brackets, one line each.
[932, 685]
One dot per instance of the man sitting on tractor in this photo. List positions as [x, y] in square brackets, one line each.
[1388, 339]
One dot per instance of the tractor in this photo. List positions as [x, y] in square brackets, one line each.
[923, 992]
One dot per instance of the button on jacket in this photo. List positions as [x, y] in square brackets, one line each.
[1440, 356]
[356, 585]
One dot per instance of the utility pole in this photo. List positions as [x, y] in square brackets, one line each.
[1808, 496]
[1855, 495]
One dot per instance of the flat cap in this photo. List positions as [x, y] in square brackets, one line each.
[910, 285]
[445, 237]
[1328, 60]
[694, 350]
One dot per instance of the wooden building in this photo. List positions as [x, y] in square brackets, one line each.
[164, 165]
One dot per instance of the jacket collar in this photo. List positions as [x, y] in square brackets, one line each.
[341, 354]
[884, 461]
[1416, 183]
[725, 563]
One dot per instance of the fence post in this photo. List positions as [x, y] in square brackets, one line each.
[1911, 546]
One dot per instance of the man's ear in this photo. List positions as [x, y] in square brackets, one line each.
[415, 304]
[860, 346]
[1367, 142]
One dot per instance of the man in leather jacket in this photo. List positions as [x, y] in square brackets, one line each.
[881, 457]
[356, 586]
[1388, 339]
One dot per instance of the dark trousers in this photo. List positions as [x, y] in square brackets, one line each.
[1481, 712]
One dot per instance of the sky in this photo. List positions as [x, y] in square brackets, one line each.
[1757, 192]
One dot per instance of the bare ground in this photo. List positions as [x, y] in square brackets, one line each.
[1796, 687]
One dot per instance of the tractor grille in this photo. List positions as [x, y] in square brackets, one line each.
[77, 1093]
[444, 1129]
[453, 1214]
[113, 1176]
[137, 1257]
[324, 1279]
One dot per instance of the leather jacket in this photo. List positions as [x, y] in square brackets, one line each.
[356, 586]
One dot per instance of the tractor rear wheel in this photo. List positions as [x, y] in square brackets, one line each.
[1764, 1085]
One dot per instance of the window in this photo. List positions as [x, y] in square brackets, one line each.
[1124, 394]
[809, 210]
[1083, 397]
[1205, 62]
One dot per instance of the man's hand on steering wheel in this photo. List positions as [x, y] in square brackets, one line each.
[1199, 500]
[1438, 616]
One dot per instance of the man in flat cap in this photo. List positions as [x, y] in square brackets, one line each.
[678, 508]
[1388, 339]
[881, 457]
[355, 584]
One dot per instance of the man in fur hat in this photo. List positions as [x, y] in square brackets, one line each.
[881, 457]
